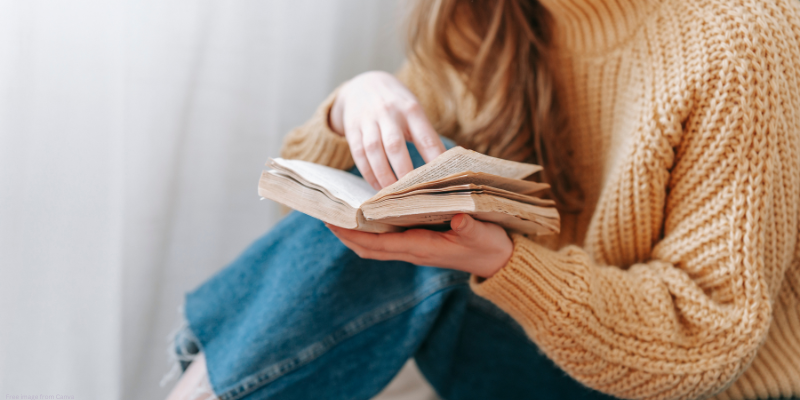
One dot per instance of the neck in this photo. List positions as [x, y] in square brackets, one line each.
[595, 25]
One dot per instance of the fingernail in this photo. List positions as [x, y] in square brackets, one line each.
[461, 223]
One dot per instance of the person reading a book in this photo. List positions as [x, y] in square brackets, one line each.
[669, 134]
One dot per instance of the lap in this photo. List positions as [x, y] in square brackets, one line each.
[298, 307]
[296, 294]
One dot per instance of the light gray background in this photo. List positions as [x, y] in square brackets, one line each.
[132, 136]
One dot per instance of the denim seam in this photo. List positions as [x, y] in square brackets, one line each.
[349, 330]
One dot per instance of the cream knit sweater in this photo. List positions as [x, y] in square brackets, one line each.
[681, 277]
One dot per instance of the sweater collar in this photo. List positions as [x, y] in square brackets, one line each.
[595, 25]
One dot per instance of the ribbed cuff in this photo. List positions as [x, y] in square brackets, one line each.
[534, 282]
[316, 142]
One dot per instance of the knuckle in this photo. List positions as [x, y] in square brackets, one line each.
[372, 146]
[357, 150]
[427, 141]
[380, 246]
[414, 108]
[383, 110]
[350, 128]
[411, 108]
[394, 145]
[420, 253]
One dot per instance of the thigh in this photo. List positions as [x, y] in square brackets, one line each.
[298, 306]
[481, 353]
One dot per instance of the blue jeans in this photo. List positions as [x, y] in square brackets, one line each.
[299, 316]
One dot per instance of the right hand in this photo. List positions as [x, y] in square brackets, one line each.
[377, 114]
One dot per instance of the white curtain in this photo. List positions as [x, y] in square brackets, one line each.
[132, 136]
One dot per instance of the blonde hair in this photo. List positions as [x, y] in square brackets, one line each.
[498, 51]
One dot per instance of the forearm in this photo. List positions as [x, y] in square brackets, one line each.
[645, 332]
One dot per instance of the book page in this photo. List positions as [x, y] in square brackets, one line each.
[484, 179]
[471, 178]
[342, 185]
[277, 186]
[434, 209]
[459, 159]
[471, 188]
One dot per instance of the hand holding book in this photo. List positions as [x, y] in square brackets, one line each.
[377, 115]
[478, 197]
[480, 248]
[458, 181]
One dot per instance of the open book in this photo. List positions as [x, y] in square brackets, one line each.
[458, 181]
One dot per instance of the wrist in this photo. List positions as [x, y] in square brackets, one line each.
[336, 114]
[499, 260]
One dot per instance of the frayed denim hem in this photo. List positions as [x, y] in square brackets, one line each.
[182, 349]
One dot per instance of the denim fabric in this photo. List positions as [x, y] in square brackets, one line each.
[300, 316]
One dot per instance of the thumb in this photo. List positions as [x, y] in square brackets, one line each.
[465, 226]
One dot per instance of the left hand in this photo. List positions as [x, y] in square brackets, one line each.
[480, 248]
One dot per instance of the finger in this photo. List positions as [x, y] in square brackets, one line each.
[414, 242]
[362, 239]
[461, 222]
[354, 140]
[422, 133]
[395, 145]
[373, 146]
[466, 227]
[365, 251]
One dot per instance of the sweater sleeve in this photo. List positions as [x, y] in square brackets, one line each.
[316, 142]
[687, 320]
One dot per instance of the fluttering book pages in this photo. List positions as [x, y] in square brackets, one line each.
[458, 181]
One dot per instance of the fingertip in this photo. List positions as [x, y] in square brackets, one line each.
[459, 222]
[366, 173]
[370, 178]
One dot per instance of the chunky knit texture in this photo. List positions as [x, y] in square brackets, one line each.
[681, 277]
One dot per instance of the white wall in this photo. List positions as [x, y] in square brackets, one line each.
[132, 135]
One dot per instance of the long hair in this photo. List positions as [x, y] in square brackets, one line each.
[496, 50]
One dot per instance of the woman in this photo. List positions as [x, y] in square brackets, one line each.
[677, 271]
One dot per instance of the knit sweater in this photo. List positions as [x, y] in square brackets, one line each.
[681, 276]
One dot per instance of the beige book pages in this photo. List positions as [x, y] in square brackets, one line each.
[476, 178]
[456, 201]
[275, 185]
[459, 159]
[457, 181]
[278, 186]
[433, 210]
[477, 189]
[343, 185]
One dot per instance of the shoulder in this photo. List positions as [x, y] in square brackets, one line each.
[745, 43]
[739, 24]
